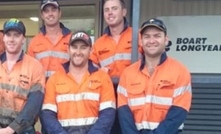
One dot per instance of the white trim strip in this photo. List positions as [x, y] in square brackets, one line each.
[78, 122]
[107, 104]
[150, 99]
[122, 90]
[116, 57]
[107, 61]
[151, 125]
[49, 73]
[136, 101]
[51, 107]
[78, 97]
[182, 90]
[122, 56]
[55, 54]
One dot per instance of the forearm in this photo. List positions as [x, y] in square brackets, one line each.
[104, 123]
[50, 122]
[29, 113]
[174, 118]
[127, 121]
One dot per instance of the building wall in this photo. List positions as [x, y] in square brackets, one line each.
[154, 8]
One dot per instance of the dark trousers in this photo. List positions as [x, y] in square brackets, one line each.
[116, 126]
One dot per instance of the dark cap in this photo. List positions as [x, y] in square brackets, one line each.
[82, 36]
[153, 23]
[14, 24]
[47, 2]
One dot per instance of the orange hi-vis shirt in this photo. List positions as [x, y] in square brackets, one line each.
[150, 97]
[52, 56]
[115, 56]
[25, 78]
[79, 104]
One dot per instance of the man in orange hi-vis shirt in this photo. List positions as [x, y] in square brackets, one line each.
[22, 83]
[51, 44]
[112, 51]
[154, 94]
[80, 98]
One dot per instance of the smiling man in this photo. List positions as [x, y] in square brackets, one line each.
[112, 51]
[22, 83]
[157, 97]
[80, 99]
[51, 44]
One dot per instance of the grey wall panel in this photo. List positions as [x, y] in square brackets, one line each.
[205, 113]
[154, 8]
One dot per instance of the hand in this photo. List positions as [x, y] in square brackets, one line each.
[6, 130]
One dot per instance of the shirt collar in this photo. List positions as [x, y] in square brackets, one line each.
[3, 57]
[162, 59]
[65, 30]
[107, 29]
[91, 67]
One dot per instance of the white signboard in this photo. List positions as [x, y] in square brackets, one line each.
[196, 42]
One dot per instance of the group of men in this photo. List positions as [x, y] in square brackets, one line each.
[66, 81]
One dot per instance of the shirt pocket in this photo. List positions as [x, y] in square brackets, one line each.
[95, 89]
[39, 48]
[164, 94]
[94, 98]
[64, 47]
[136, 97]
[62, 89]
[136, 101]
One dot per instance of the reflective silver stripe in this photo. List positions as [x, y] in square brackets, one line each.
[122, 56]
[119, 56]
[78, 97]
[56, 54]
[21, 91]
[37, 87]
[159, 100]
[49, 73]
[136, 102]
[78, 122]
[51, 107]
[122, 90]
[107, 61]
[151, 125]
[8, 113]
[150, 99]
[182, 90]
[107, 104]
[97, 66]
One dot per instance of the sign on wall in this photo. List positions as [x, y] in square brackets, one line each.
[196, 42]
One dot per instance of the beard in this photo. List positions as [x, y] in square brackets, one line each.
[79, 64]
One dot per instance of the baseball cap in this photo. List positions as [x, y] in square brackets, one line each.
[153, 23]
[46, 2]
[14, 24]
[80, 35]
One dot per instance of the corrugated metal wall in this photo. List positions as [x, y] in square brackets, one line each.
[154, 8]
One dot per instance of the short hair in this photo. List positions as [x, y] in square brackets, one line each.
[123, 5]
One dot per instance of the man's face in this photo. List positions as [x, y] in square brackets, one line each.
[153, 41]
[51, 15]
[13, 41]
[114, 13]
[79, 53]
